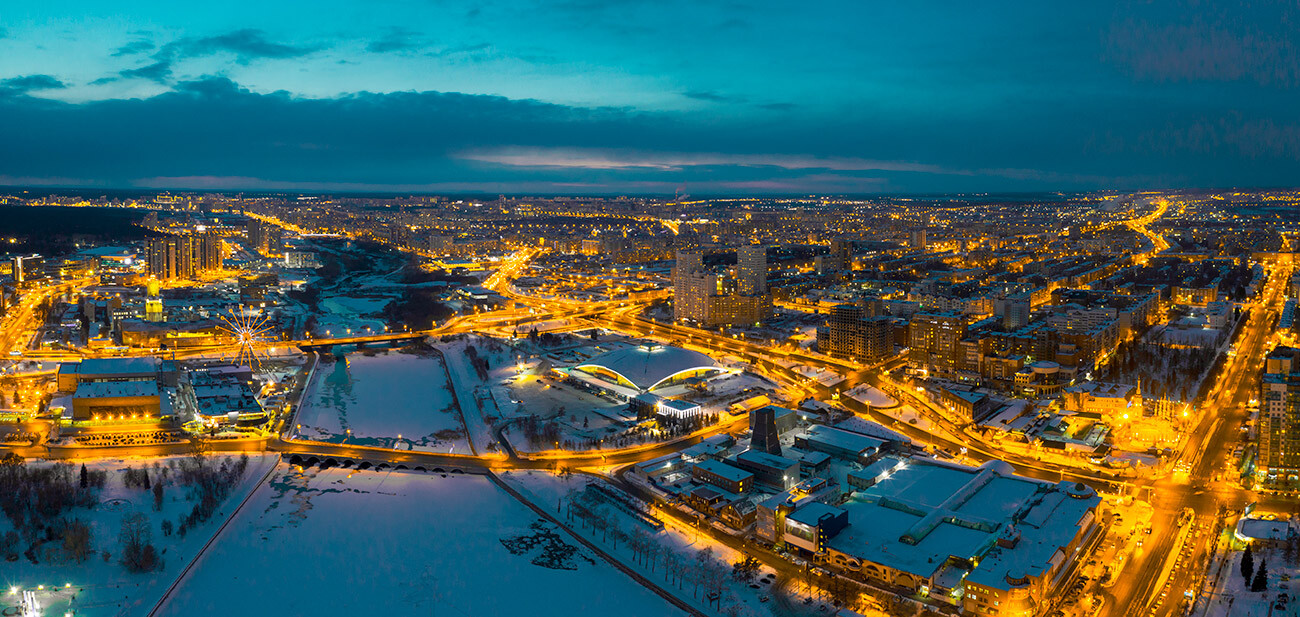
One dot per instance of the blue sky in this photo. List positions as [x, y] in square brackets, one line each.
[649, 97]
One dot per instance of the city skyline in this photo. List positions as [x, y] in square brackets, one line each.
[651, 309]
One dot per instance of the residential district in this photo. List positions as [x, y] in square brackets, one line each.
[1062, 404]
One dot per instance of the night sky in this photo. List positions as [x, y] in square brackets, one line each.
[649, 97]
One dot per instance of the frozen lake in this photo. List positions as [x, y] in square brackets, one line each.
[381, 396]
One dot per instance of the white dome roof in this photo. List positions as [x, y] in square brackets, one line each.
[647, 365]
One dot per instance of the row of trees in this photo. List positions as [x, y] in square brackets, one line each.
[701, 570]
[480, 364]
[207, 485]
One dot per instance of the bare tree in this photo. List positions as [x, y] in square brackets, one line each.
[136, 544]
[703, 559]
[76, 540]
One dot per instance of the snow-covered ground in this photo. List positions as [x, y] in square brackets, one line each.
[340, 542]
[745, 598]
[380, 397]
[872, 396]
[1233, 598]
[99, 587]
[343, 315]
[481, 408]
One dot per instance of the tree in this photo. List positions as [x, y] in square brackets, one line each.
[9, 544]
[76, 540]
[135, 542]
[1247, 564]
[157, 496]
[84, 478]
[1261, 577]
[745, 569]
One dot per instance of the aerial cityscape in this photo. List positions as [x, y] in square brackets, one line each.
[735, 310]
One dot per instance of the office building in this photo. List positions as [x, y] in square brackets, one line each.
[770, 470]
[726, 477]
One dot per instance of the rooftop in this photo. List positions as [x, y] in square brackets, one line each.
[734, 474]
[117, 366]
[841, 439]
[922, 512]
[759, 457]
[112, 389]
[645, 366]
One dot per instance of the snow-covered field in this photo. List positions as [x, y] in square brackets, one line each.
[379, 397]
[743, 597]
[100, 587]
[338, 542]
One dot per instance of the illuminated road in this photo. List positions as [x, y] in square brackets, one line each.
[1170, 562]
[1206, 484]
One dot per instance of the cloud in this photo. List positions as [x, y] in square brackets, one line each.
[622, 159]
[397, 40]
[246, 45]
[1207, 42]
[215, 133]
[29, 83]
[55, 181]
[160, 72]
[462, 50]
[777, 106]
[135, 47]
[712, 97]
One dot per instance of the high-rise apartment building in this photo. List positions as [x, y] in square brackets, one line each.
[691, 286]
[839, 261]
[174, 257]
[933, 339]
[916, 239]
[857, 331]
[751, 270]
[265, 238]
[1014, 312]
[711, 300]
[1278, 463]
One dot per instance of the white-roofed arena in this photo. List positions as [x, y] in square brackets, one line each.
[647, 369]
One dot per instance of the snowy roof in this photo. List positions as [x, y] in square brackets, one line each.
[925, 511]
[116, 389]
[646, 366]
[734, 474]
[118, 366]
